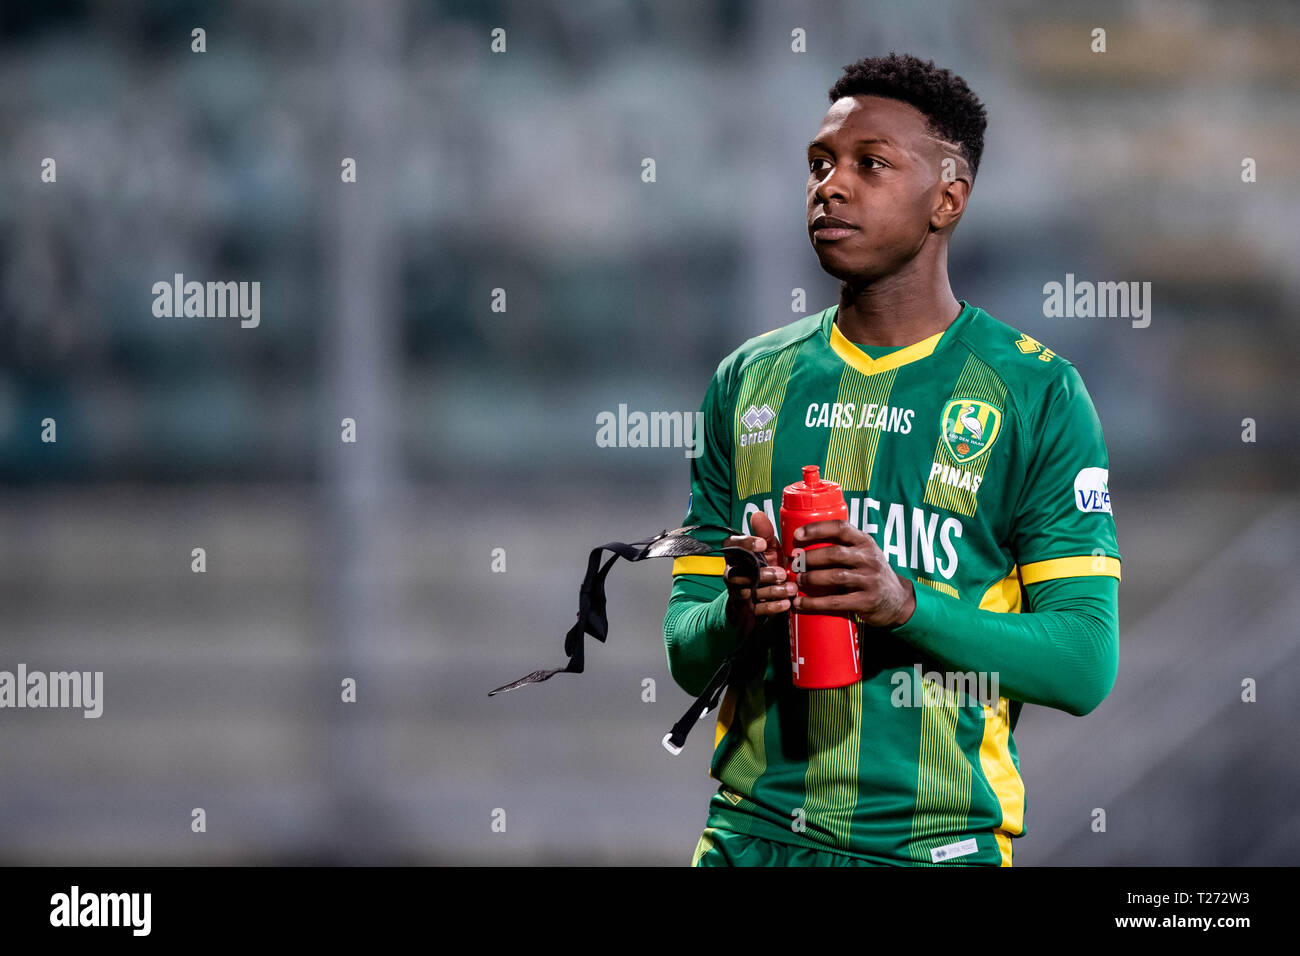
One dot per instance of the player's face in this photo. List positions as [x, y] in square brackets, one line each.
[873, 165]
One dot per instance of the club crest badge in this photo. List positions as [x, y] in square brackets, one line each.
[970, 427]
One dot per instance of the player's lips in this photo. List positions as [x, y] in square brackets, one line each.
[829, 228]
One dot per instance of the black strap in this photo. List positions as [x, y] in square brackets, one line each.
[734, 667]
[593, 618]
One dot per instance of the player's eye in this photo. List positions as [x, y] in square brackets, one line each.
[870, 162]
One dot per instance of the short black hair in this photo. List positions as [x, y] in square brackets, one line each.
[955, 113]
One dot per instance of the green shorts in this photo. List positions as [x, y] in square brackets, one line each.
[719, 847]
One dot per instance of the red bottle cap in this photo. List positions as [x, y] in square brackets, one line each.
[814, 493]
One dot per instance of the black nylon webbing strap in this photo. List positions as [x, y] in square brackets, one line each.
[735, 665]
[593, 618]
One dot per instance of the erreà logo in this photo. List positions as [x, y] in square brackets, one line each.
[756, 420]
[969, 427]
[757, 417]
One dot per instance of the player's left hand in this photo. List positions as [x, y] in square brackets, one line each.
[871, 590]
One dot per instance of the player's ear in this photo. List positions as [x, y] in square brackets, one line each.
[953, 193]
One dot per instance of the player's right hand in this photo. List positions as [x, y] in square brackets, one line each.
[745, 602]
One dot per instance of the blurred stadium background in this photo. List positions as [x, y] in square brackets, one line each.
[476, 429]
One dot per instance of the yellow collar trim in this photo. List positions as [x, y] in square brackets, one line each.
[864, 363]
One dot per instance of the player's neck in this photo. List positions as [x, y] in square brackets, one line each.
[896, 311]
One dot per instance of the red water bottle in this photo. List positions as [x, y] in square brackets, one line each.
[823, 646]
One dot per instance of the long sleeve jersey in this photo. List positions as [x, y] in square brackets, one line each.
[976, 460]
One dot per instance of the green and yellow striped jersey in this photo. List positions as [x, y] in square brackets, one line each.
[976, 460]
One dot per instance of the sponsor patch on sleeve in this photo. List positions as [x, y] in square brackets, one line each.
[1091, 490]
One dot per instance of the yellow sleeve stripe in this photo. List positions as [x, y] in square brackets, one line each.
[700, 564]
[1080, 566]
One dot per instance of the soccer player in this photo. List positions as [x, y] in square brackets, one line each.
[979, 558]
